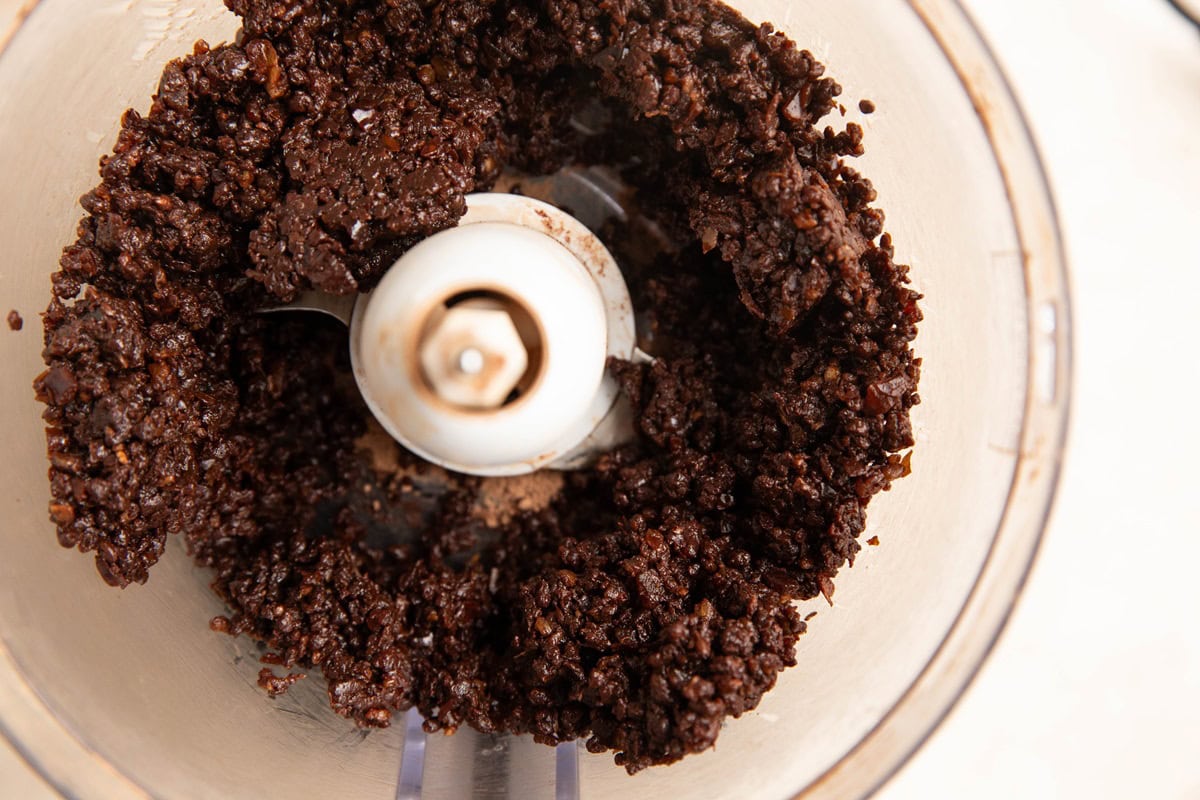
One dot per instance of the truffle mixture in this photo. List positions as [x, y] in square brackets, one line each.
[636, 604]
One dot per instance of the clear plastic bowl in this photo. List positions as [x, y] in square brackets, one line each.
[115, 694]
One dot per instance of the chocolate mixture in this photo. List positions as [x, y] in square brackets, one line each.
[642, 601]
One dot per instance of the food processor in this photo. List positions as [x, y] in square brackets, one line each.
[126, 694]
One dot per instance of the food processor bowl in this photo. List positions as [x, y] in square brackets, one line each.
[120, 694]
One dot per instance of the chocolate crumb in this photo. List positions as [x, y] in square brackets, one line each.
[275, 685]
[15, 323]
[866, 106]
[873, 541]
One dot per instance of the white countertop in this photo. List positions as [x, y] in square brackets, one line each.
[1094, 689]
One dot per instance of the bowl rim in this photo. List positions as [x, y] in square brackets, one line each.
[77, 771]
[976, 630]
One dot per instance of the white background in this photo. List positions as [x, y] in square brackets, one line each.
[1094, 690]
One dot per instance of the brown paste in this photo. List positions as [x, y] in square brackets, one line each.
[636, 604]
